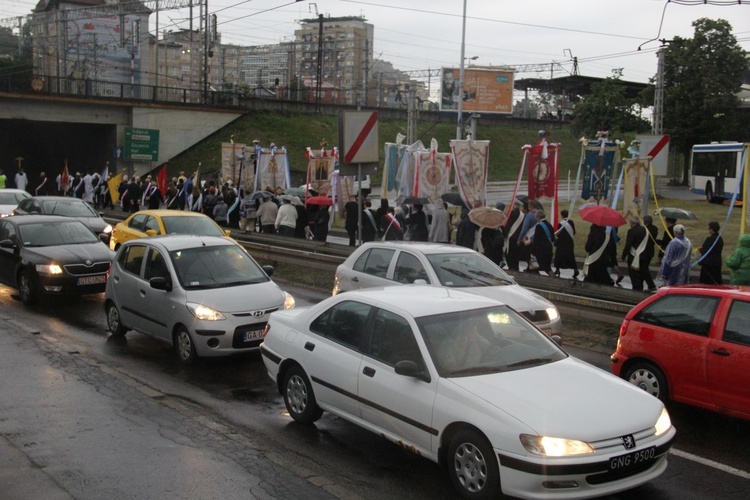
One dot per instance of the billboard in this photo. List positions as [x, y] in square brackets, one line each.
[486, 90]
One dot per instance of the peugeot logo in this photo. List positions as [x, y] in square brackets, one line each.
[628, 441]
[88, 262]
[258, 314]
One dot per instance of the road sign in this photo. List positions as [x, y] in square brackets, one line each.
[657, 147]
[358, 138]
[141, 144]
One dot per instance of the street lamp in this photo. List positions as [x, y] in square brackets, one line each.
[459, 120]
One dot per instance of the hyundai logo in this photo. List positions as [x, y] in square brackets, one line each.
[628, 441]
[258, 314]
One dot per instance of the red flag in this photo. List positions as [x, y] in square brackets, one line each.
[161, 180]
[542, 172]
[65, 178]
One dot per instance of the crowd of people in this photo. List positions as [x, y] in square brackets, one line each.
[526, 236]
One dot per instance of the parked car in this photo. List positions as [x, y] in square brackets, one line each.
[9, 200]
[147, 223]
[469, 383]
[394, 262]
[44, 254]
[66, 206]
[205, 295]
[690, 344]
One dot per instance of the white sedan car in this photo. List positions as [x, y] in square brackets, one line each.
[10, 198]
[453, 266]
[469, 383]
[205, 295]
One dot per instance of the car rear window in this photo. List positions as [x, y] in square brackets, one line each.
[686, 313]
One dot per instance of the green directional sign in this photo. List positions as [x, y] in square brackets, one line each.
[141, 144]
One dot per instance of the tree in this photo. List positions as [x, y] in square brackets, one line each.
[608, 108]
[702, 80]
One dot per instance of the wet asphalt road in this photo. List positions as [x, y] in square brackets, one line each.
[236, 394]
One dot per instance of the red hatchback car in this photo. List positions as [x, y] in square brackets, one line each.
[690, 344]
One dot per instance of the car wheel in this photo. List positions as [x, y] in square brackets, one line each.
[299, 398]
[27, 289]
[649, 378]
[114, 323]
[709, 192]
[184, 346]
[472, 465]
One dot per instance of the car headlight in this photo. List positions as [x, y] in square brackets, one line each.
[108, 229]
[554, 447]
[204, 313]
[553, 313]
[49, 269]
[664, 423]
[289, 302]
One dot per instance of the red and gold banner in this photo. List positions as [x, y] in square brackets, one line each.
[542, 170]
[432, 173]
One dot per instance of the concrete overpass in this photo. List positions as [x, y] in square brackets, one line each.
[45, 130]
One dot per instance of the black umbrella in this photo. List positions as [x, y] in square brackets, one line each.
[453, 199]
[522, 198]
[413, 200]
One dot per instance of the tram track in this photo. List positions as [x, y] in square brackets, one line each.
[574, 298]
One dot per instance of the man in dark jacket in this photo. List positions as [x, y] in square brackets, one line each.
[132, 196]
[711, 256]
[466, 231]
[351, 215]
[544, 237]
[636, 241]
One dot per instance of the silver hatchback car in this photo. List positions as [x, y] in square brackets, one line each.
[378, 264]
[204, 295]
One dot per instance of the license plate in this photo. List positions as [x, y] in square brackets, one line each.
[92, 280]
[252, 335]
[633, 459]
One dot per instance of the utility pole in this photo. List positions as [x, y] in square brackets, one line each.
[319, 72]
[459, 119]
[205, 51]
[156, 50]
[658, 124]
[412, 115]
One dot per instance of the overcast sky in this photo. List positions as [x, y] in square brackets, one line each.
[422, 34]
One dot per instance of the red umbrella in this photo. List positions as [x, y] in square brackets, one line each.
[602, 215]
[320, 200]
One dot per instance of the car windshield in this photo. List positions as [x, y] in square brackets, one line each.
[483, 341]
[12, 198]
[201, 226]
[216, 267]
[48, 234]
[69, 208]
[464, 270]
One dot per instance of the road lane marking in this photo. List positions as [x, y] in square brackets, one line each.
[710, 463]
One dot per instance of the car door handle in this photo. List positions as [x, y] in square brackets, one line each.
[355, 279]
[720, 352]
[370, 372]
[116, 278]
[309, 346]
[142, 292]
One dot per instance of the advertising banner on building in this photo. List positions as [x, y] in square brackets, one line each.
[485, 90]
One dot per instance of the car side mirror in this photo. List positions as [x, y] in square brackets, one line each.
[410, 369]
[151, 232]
[228, 232]
[420, 281]
[557, 340]
[160, 283]
[104, 238]
[7, 244]
[268, 270]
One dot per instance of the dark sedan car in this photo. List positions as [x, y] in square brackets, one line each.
[52, 255]
[68, 207]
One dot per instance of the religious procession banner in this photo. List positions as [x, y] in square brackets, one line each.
[273, 169]
[406, 173]
[542, 165]
[598, 161]
[233, 158]
[433, 171]
[472, 160]
[113, 184]
[394, 155]
[635, 174]
[320, 167]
